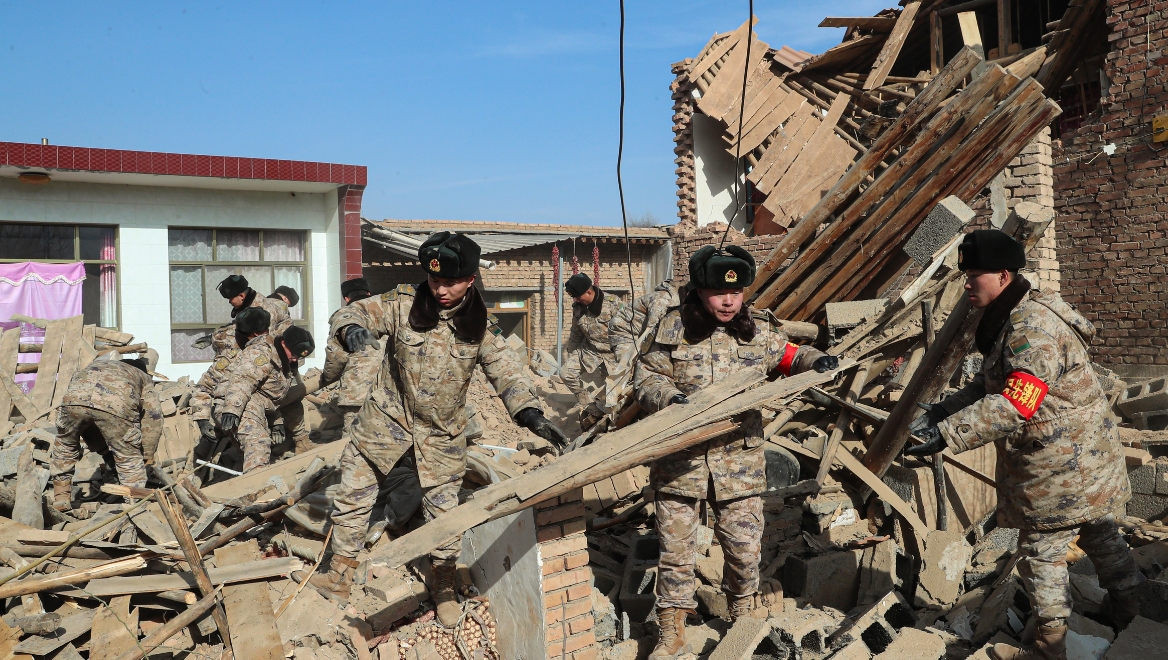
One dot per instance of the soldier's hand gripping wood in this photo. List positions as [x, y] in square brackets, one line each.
[1061, 466]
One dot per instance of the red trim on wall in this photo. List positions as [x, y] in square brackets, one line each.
[53, 157]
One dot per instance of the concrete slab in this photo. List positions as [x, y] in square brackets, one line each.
[1142, 640]
[1084, 626]
[913, 644]
[945, 557]
[877, 572]
[825, 580]
[1085, 647]
[743, 638]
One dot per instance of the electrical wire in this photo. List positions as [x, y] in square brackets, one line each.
[620, 152]
[738, 204]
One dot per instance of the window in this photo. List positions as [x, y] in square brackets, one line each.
[96, 247]
[201, 258]
[511, 309]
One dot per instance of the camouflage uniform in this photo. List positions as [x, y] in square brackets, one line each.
[418, 403]
[119, 399]
[631, 321]
[355, 371]
[1061, 470]
[255, 382]
[226, 350]
[588, 348]
[734, 464]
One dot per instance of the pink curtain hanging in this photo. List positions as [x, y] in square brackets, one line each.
[46, 291]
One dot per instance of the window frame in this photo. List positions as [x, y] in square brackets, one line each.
[494, 308]
[116, 261]
[305, 266]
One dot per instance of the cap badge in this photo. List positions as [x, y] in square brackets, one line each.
[731, 276]
[435, 266]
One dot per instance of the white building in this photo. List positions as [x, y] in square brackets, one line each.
[158, 231]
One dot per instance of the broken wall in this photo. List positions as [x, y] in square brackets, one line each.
[1112, 245]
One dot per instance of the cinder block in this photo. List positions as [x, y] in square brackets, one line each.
[825, 580]
[947, 218]
[1148, 507]
[1143, 479]
[1144, 397]
[875, 625]
[1151, 420]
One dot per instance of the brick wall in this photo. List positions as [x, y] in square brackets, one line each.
[530, 269]
[349, 201]
[1112, 245]
[567, 579]
[683, 109]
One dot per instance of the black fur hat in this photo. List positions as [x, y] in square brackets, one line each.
[232, 286]
[577, 285]
[449, 255]
[348, 287]
[729, 268]
[289, 293]
[252, 320]
[299, 341]
[990, 249]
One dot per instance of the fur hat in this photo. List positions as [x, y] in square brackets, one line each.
[232, 286]
[348, 287]
[299, 341]
[252, 320]
[289, 293]
[990, 249]
[577, 285]
[729, 268]
[449, 255]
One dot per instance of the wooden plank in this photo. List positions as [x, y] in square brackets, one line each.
[149, 524]
[72, 627]
[757, 133]
[839, 57]
[16, 396]
[31, 585]
[761, 102]
[763, 80]
[70, 357]
[842, 422]
[891, 49]
[46, 381]
[30, 485]
[115, 630]
[727, 86]
[249, 608]
[87, 354]
[702, 65]
[146, 584]
[936, 43]
[791, 150]
[874, 23]
[970, 34]
[789, 207]
[186, 541]
[919, 110]
[802, 114]
[9, 638]
[607, 493]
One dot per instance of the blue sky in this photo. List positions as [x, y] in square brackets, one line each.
[473, 111]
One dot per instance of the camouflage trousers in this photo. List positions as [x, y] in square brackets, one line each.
[1043, 566]
[574, 371]
[253, 433]
[738, 529]
[354, 500]
[122, 437]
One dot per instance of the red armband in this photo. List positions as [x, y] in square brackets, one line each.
[1025, 392]
[788, 359]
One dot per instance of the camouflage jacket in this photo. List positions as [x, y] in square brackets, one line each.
[422, 384]
[256, 370]
[589, 333]
[356, 371]
[675, 365]
[1060, 462]
[632, 321]
[119, 389]
[226, 350]
[223, 339]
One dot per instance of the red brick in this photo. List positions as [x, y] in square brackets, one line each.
[564, 546]
[575, 527]
[576, 560]
[560, 513]
[578, 591]
[577, 642]
[553, 566]
[561, 580]
[546, 534]
[580, 624]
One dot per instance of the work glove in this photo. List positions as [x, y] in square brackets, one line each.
[202, 342]
[228, 422]
[206, 428]
[357, 338]
[277, 434]
[533, 419]
[825, 364]
[934, 415]
[933, 444]
[679, 398]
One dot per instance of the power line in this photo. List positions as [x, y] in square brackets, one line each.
[738, 204]
[620, 151]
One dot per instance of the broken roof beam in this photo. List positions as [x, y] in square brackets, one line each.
[874, 23]
[891, 49]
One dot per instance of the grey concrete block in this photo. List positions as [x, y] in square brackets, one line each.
[1151, 420]
[1148, 507]
[913, 644]
[639, 590]
[1144, 397]
[1143, 479]
[843, 316]
[826, 580]
[742, 640]
[947, 218]
[1142, 640]
[1153, 596]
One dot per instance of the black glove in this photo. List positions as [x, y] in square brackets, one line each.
[357, 338]
[934, 415]
[228, 422]
[934, 443]
[679, 398]
[825, 364]
[207, 427]
[533, 419]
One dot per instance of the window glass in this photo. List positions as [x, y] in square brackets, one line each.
[37, 242]
[290, 276]
[218, 309]
[99, 292]
[258, 278]
[186, 294]
[190, 244]
[181, 349]
[283, 246]
[96, 243]
[237, 246]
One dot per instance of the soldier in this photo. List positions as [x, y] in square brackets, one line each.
[709, 336]
[203, 397]
[1061, 467]
[436, 334]
[117, 398]
[236, 290]
[355, 371]
[286, 294]
[256, 381]
[588, 347]
[632, 321]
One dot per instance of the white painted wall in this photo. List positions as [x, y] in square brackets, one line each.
[143, 214]
[714, 174]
